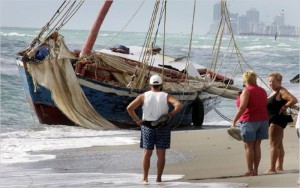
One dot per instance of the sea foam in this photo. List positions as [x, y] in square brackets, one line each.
[18, 146]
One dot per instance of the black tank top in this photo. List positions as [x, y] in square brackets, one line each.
[274, 105]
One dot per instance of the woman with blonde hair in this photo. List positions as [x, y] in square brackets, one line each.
[278, 102]
[253, 116]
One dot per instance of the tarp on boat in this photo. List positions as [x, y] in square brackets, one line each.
[57, 74]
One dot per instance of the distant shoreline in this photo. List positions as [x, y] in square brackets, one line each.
[207, 34]
[270, 35]
[258, 34]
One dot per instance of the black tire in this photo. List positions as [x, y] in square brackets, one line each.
[197, 112]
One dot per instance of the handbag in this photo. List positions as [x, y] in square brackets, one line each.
[288, 118]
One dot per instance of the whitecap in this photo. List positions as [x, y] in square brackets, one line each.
[16, 34]
[256, 47]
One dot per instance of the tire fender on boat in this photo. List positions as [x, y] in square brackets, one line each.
[197, 112]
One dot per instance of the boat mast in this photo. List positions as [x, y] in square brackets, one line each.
[95, 28]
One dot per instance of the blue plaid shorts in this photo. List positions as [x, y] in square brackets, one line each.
[160, 137]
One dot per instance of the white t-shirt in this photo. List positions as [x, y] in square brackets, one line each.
[155, 105]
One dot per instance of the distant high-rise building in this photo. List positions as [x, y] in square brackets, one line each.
[234, 19]
[243, 24]
[217, 12]
[252, 17]
[216, 20]
[279, 20]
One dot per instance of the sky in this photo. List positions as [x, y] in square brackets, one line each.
[35, 13]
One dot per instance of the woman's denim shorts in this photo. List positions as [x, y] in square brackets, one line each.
[254, 130]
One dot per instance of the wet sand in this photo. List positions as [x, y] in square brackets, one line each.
[197, 156]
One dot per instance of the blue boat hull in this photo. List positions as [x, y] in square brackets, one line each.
[109, 101]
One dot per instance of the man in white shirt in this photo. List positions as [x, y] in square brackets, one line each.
[155, 105]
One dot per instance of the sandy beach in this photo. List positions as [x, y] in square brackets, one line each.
[216, 157]
[201, 157]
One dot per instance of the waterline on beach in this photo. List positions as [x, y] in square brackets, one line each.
[47, 178]
[19, 146]
[30, 145]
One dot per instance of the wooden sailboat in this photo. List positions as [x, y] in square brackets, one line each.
[92, 88]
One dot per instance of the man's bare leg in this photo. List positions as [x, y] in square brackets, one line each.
[146, 164]
[161, 160]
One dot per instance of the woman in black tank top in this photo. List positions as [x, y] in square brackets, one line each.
[278, 101]
[274, 107]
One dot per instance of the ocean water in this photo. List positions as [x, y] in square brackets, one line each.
[24, 140]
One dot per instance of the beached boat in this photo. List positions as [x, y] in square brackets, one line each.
[93, 88]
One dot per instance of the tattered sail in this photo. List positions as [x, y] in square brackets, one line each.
[57, 74]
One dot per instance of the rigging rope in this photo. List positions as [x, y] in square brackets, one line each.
[42, 31]
[188, 58]
[222, 115]
[238, 53]
[66, 16]
[55, 19]
[105, 46]
[191, 37]
[164, 39]
[62, 15]
[146, 54]
[225, 21]
[71, 14]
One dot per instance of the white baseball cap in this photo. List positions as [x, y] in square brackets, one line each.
[155, 80]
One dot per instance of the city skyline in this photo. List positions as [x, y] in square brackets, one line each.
[250, 23]
[180, 13]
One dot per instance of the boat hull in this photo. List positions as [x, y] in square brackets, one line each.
[109, 101]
